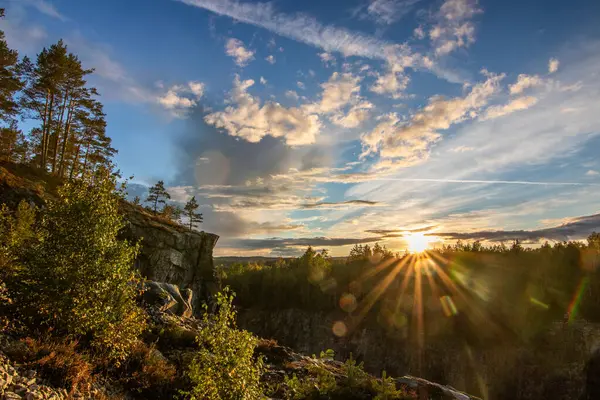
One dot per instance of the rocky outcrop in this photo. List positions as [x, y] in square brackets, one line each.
[168, 298]
[172, 254]
[169, 252]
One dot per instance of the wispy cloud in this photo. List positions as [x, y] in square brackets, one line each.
[406, 144]
[385, 12]
[342, 204]
[46, 8]
[300, 27]
[518, 104]
[576, 228]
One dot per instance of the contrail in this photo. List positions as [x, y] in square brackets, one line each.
[300, 27]
[491, 182]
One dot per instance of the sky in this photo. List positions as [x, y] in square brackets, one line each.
[342, 122]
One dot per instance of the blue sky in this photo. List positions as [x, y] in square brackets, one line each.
[340, 122]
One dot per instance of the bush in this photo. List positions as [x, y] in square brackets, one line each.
[76, 277]
[58, 361]
[224, 367]
[147, 371]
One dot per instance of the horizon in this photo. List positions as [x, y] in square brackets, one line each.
[410, 123]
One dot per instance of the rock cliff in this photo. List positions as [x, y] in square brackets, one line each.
[170, 253]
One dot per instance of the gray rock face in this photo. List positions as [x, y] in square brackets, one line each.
[172, 254]
[168, 298]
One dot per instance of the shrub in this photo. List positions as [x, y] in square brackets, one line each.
[147, 371]
[77, 277]
[317, 383]
[224, 367]
[386, 388]
[58, 361]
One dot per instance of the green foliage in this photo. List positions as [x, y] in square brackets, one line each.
[75, 276]
[355, 373]
[318, 382]
[225, 367]
[10, 79]
[386, 388]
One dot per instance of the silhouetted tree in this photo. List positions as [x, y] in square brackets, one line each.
[190, 212]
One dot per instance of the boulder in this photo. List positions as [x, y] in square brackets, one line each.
[168, 298]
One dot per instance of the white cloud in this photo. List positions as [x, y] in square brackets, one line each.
[591, 172]
[306, 29]
[235, 48]
[525, 81]
[301, 85]
[453, 28]
[271, 59]
[553, 65]
[394, 81]
[263, 80]
[419, 32]
[292, 95]
[405, 144]
[520, 103]
[251, 121]
[327, 59]
[338, 91]
[355, 116]
[180, 98]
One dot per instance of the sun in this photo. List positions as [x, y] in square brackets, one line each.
[418, 242]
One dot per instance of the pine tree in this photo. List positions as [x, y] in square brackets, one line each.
[10, 81]
[190, 212]
[136, 200]
[158, 195]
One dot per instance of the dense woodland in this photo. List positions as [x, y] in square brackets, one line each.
[526, 314]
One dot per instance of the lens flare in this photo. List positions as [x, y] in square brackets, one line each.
[418, 242]
[339, 329]
[574, 306]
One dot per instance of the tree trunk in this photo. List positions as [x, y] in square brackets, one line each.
[61, 168]
[59, 125]
[44, 123]
[47, 133]
[85, 160]
[75, 162]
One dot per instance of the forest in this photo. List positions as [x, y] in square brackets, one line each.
[527, 314]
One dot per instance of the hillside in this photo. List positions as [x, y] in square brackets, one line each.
[39, 364]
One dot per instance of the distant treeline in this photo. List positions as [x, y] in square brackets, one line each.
[509, 284]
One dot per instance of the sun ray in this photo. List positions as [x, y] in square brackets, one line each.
[377, 291]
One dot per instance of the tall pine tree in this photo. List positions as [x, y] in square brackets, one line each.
[10, 81]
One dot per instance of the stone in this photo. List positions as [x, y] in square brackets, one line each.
[168, 298]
